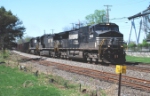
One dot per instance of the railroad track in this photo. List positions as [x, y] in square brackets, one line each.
[109, 77]
[136, 68]
[130, 66]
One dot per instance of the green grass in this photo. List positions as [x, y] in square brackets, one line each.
[3, 55]
[14, 82]
[138, 59]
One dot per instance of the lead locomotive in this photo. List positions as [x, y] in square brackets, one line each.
[101, 42]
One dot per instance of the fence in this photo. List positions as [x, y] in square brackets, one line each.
[138, 51]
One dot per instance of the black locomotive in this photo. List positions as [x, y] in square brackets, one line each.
[101, 42]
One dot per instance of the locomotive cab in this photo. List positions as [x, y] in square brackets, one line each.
[34, 45]
[46, 44]
[109, 42]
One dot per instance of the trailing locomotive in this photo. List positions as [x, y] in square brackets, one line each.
[101, 42]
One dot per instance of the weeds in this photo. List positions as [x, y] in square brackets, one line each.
[26, 83]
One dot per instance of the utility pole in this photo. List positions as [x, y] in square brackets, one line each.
[108, 11]
[52, 30]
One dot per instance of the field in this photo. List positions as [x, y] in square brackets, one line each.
[138, 59]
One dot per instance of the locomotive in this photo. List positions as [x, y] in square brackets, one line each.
[102, 42]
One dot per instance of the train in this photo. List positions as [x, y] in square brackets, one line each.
[102, 42]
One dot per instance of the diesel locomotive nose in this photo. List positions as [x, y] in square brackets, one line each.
[113, 41]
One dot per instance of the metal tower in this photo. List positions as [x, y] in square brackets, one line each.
[142, 21]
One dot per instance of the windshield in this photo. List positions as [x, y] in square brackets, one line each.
[106, 27]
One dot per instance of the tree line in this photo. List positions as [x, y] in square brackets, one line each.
[133, 44]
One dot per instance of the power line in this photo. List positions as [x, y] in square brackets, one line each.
[119, 18]
[131, 3]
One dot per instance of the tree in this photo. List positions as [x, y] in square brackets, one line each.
[97, 17]
[11, 28]
[140, 45]
[148, 36]
[144, 43]
[25, 39]
[90, 19]
[125, 44]
[132, 44]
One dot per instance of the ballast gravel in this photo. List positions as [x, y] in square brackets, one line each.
[110, 88]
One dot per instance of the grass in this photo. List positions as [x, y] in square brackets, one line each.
[3, 55]
[138, 59]
[14, 82]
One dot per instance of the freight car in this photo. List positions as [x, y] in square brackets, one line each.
[101, 42]
[23, 47]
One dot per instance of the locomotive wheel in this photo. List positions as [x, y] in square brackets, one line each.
[89, 60]
[96, 62]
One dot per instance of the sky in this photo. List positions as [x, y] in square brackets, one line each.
[45, 16]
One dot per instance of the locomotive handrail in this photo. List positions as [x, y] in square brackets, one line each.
[100, 45]
[37, 47]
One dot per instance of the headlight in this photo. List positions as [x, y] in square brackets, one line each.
[121, 46]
